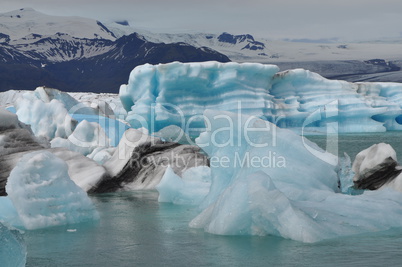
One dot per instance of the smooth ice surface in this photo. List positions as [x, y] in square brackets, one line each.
[13, 250]
[190, 189]
[179, 93]
[288, 188]
[43, 195]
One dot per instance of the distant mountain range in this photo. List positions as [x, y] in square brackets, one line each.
[91, 60]
[79, 54]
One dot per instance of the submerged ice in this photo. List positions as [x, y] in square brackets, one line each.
[13, 250]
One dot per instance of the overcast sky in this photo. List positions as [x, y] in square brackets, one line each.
[276, 19]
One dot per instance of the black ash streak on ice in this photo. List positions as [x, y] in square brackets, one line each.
[146, 165]
[379, 175]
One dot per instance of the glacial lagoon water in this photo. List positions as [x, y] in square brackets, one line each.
[136, 230]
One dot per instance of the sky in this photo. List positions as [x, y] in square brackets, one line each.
[346, 20]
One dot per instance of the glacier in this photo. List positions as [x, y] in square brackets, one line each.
[176, 93]
[268, 182]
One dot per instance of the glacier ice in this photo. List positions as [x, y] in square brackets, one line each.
[13, 250]
[177, 93]
[113, 128]
[173, 133]
[296, 99]
[47, 120]
[140, 161]
[17, 139]
[190, 189]
[267, 181]
[102, 154]
[87, 136]
[43, 195]
[83, 171]
[377, 166]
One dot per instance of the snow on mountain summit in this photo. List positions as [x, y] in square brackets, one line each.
[25, 21]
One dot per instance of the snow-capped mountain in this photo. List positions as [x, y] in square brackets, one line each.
[78, 54]
[61, 46]
[25, 21]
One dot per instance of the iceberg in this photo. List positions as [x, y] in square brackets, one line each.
[377, 167]
[47, 120]
[140, 161]
[86, 137]
[13, 250]
[176, 93]
[17, 140]
[270, 181]
[43, 195]
[190, 189]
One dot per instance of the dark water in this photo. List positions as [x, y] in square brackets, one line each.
[136, 230]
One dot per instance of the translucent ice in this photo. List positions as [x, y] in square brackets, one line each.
[43, 194]
[190, 189]
[154, 97]
[270, 181]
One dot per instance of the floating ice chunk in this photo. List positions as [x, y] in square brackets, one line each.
[44, 195]
[140, 161]
[102, 154]
[156, 93]
[114, 129]
[86, 137]
[169, 186]
[376, 167]
[251, 194]
[48, 120]
[13, 250]
[291, 99]
[189, 190]
[372, 156]
[84, 172]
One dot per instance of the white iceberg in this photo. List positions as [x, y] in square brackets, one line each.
[47, 120]
[41, 194]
